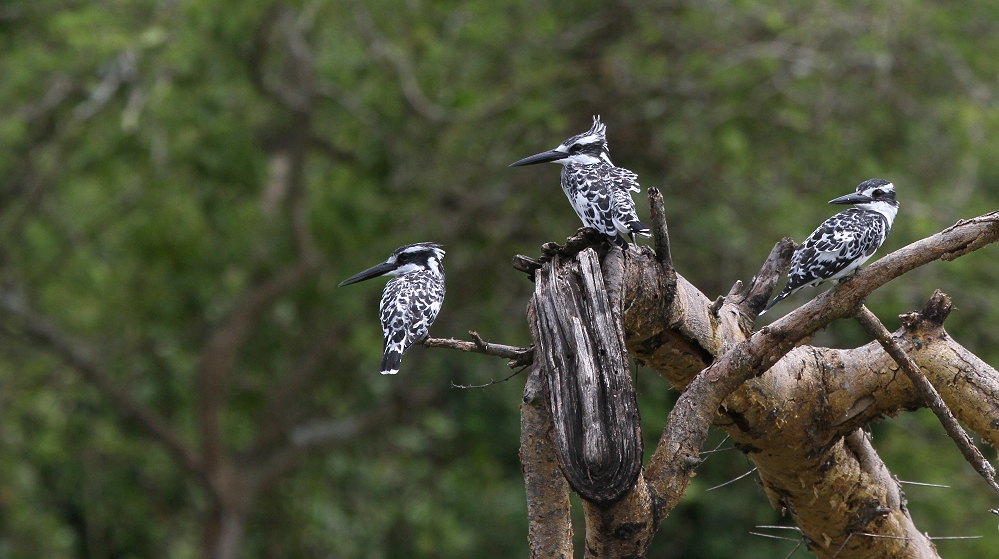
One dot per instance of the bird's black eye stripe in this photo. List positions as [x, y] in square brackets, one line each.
[877, 192]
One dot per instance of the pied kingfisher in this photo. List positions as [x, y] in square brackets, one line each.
[597, 190]
[844, 241]
[410, 301]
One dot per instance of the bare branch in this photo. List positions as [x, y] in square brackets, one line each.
[660, 234]
[968, 385]
[490, 383]
[752, 300]
[526, 264]
[687, 428]
[519, 356]
[873, 326]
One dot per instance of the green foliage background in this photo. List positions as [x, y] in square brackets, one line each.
[131, 213]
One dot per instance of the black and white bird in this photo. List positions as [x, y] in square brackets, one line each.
[844, 241]
[410, 301]
[597, 190]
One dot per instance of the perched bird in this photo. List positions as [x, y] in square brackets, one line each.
[597, 190]
[410, 301]
[844, 241]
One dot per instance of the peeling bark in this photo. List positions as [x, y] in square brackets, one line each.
[549, 522]
[795, 410]
[581, 353]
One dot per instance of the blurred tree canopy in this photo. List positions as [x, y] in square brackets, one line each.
[163, 162]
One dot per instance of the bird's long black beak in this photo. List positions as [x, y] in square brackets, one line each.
[853, 198]
[543, 157]
[372, 272]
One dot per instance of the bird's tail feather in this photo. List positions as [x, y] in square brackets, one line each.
[776, 300]
[640, 229]
[391, 361]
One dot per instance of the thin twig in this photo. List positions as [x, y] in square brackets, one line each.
[727, 448]
[518, 356]
[873, 326]
[732, 480]
[801, 541]
[885, 536]
[490, 383]
[842, 545]
[716, 448]
[775, 537]
[775, 527]
[922, 484]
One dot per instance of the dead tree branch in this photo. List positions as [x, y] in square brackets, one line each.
[660, 234]
[518, 356]
[711, 351]
[931, 398]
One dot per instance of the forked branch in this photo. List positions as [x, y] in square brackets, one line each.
[873, 326]
[518, 356]
[670, 322]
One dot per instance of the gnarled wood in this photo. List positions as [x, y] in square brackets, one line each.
[930, 397]
[795, 410]
[580, 349]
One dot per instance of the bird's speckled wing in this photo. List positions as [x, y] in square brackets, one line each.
[600, 196]
[589, 196]
[408, 307]
[836, 248]
[622, 179]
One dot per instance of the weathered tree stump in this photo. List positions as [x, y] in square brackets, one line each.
[581, 351]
